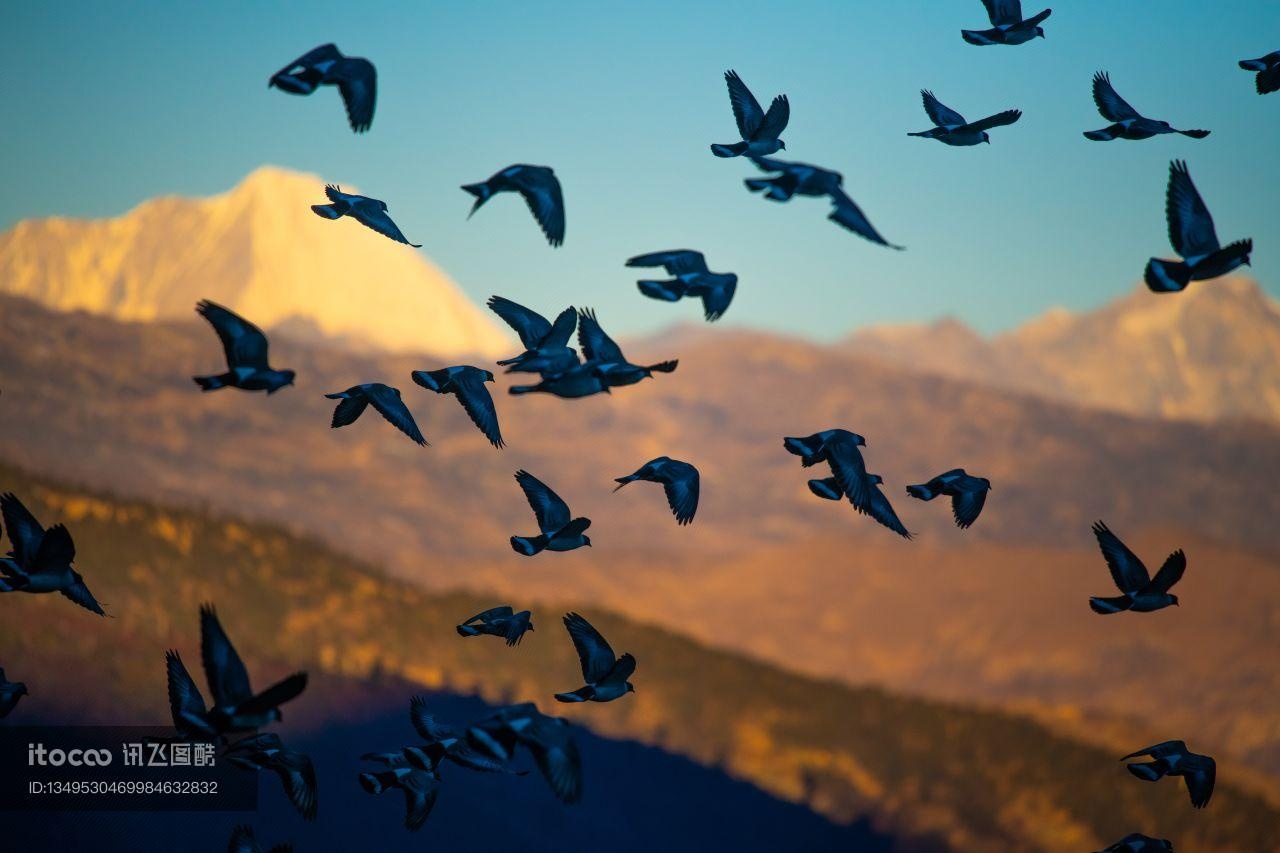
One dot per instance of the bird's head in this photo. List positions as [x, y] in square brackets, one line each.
[631, 688]
[986, 137]
[286, 378]
[383, 205]
[875, 479]
[488, 376]
[22, 690]
[782, 145]
[275, 715]
[1040, 32]
[586, 540]
[1173, 599]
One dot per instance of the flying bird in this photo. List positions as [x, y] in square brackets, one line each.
[187, 708]
[759, 130]
[1136, 842]
[40, 560]
[1193, 237]
[355, 77]
[605, 676]
[581, 380]
[549, 740]
[1268, 68]
[546, 344]
[236, 708]
[541, 191]
[420, 787]
[839, 449]
[1172, 758]
[245, 347]
[385, 399]
[499, 622]
[952, 128]
[606, 358]
[1007, 24]
[967, 493]
[369, 212]
[10, 693]
[679, 480]
[244, 841]
[692, 278]
[808, 180]
[467, 384]
[560, 532]
[1141, 592]
[1128, 123]
[296, 772]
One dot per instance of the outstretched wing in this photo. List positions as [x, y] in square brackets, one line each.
[592, 340]
[300, 77]
[243, 841]
[682, 492]
[185, 700]
[939, 113]
[299, 777]
[225, 671]
[997, 120]
[1160, 750]
[746, 109]
[25, 533]
[1128, 572]
[675, 261]
[849, 215]
[388, 403]
[1200, 771]
[594, 653]
[550, 510]
[478, 404]
[541, 191]
[243, 343]
[420, 792]
[849, 469]
[775, 121]
[275, 695]
[358, 83]
[1170, 573]
[425, 722]
[1003, 12]
[80, 594]
[562, 329]
[966, 506]
[1110, 104]
[531, 326]
[715, 300]
[557, 756]
[372, 215]
[1191, 229]
[623, 669]
[504, 611]
[879, 508]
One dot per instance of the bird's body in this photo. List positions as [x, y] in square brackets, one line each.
[499, 622]
[420, 787]
[1193, 237]
[1172, 758]
[39, 561]
[384, 399]
[759, 130]
[606, 676]
[236, 708]
[967, 493]
[1136, 842]
[370, 212]
[546, 343]
[245, 347]
[1268, 68]
[951, 128]
[355, 77]
[849, 480]
[559, 531]
[1141, 593]
[691, 278]
[539, 187]
[1007, 25]
[809, 180]
[605, 366]
[680, 480]
[549, 740]
[10, 693]
[467, 384]
[1128, 122]
[580, 380]
[296, 772]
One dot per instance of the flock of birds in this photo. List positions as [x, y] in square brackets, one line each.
[40, 560]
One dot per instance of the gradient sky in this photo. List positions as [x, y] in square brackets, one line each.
[108, 104]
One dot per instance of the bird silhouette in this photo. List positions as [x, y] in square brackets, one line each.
[236, 708]
[498, 622]
[606, 676]
[1141, 592]
[296, 772]
[967, 493]
[808, 180]
[560, 532]
[546, 344]
[369, 212]
[1136, 842]
[548, 739]
[605, 357]
[39, 560]
[1193, 237]
[692, 278]
[386, 401]
[355, 77]
[244, 841]
[10, 693]
[1007, 25]
[839, 449]
[759, 130]
[420, 787]
[1268, 68]
[1172, 758]
[952, 128]
[467, 384]
[187, 707]
[1128, 123]
[245, 347]
[540, 189]
[679, 480]
[441, 742]
[581, 380]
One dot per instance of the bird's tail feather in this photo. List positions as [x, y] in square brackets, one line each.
[1166, 276]
[826, 488]
[1253, 65]
[376, 783]
[1195, 134]
[529, 545]
[664, 366]
[667, 291]
[579, 695]
[523, 389]
[1104, 135]
[920, 133]
[481, 191]
[975, 37]
[1109, 605]
[328, 211]
[1147, 771]
[922, 492]
[212, 383]
[467, 631]
[775, 189]
[737, 149]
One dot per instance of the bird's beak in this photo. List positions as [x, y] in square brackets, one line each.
[621, 481]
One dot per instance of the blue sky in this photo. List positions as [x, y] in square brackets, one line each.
[109, 104]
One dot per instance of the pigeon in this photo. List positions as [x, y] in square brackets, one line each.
[759, 130]
[1142, 593]
[384, 398]
[952, 129]
[236, 708]
[267, 752]
[692, 278]
[246, 349]
[678, 479]
[967, 493]
[1008, 25]
[877, 506]
[549, 739]
[547, 349]
[606, 676]
[467, 384]
[838, 448]
[187, 709]
[805, 179]
[356, 79]
[541, 191]
[1193, 237]
[1172, 758]
[1129, 124]
[369, 212]
[441, 742]
[40, 560]
[606, 358]
[420, 789]
[1136, 842]
[581, 380]
[10, 693]
[559, 531]
[1268, 68]
[498, 622]
[244, 841]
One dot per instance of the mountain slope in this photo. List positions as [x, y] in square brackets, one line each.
[260, 250]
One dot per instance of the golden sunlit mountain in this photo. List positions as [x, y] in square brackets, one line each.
[258, 249]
